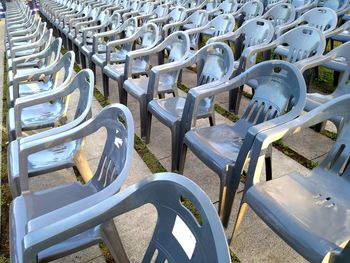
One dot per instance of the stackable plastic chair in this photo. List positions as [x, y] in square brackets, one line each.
[279, 97]
[51, 159]
[301, 6]
[145, 11]
[220, 25]
[122, 36]
[41, 80]
[114, 66]
[309, 212]
[99, 38]
[197, 19]
[338, 59]
[40, 61]
[75, 36]
[255, 33]
[250, 10]
[160, 11]
[214, 66]
[30, 49]
[225, 7]
[140, 87]
[322, 18]
[206, 243]
[46, 107]
[280, 14]
[61, 18]
[295, 45]
[341, 7]
[131, 7]
[178, 14]
[69, 200]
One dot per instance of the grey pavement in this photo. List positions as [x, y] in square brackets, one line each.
[255, 242]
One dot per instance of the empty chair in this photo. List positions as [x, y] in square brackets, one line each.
[17, 53]
[309, 212]
[268, 4]
[225, 7]
[279, 96]
[60, 203]
[121, 44]
[295, 45]
[280, 14]
[341, 7]
[27, 65]
[95, 41]
[252, 34]
[206, 242]
[322, 18]
[141, 87]
[195, 20]
[160, 11]
[214, 66]
[40, 80]
[338, 59]
[250, 10]
[142, 13]
[41, 109]
[176, 15]
[301, 6]
[114, 68]
[220, 25]
[59, 157]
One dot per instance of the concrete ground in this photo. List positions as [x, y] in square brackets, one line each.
[255, 242]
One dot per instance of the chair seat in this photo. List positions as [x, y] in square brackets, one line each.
[32, 205]
[87, 49]
[42, 115]
[30, 64]
[216, 146]
[50, 159]
[100, 59]
[138, 87]
[29, 88]
[314, 207]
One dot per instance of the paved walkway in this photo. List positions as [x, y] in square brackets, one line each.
[255, 242]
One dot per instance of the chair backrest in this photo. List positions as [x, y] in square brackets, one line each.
[336, 5]
[177, 14]
[103, 18]
[197, 19]
[178, 44]
[167, 193]
[160, 11]
[222, 24]
[147, 8]
[255, 31]
[301, 42]
[251, 9]
[115, 20]
[52, 54]
[94, 13]
[280, 87]
[149, 35]
[322, 18]
[214, 62]
[280, 14]
[228, 6]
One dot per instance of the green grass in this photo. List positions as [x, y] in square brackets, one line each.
[5, 190]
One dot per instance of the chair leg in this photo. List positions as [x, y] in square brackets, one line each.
[174, 148]
[83, 60]
[182, 159]
[123, 95]
[212, 120]
[241, 213]
[232, 186]
[235, 96]
[222, 195]
[105, 83]
[112, 239]
[268, 164]
[320, 127]
[76, 51]
[143, 118]
[148, 127]
[83, 166]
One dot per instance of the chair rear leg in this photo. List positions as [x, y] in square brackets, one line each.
[112, 239]
[235, 97]
[105, 83]
[241, 213]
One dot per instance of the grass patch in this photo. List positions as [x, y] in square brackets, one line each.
[282, 147]
[6, 197]
[329, 134]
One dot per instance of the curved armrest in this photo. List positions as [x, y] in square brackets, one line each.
[283, 28]
[159, 19]
[342, 28]
[230, 36]
[196, 30]
[73, 22]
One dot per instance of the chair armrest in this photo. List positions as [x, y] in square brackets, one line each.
[159, 19]
[196, 30]
[342, 28]
[280, 30]
[230, 36]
